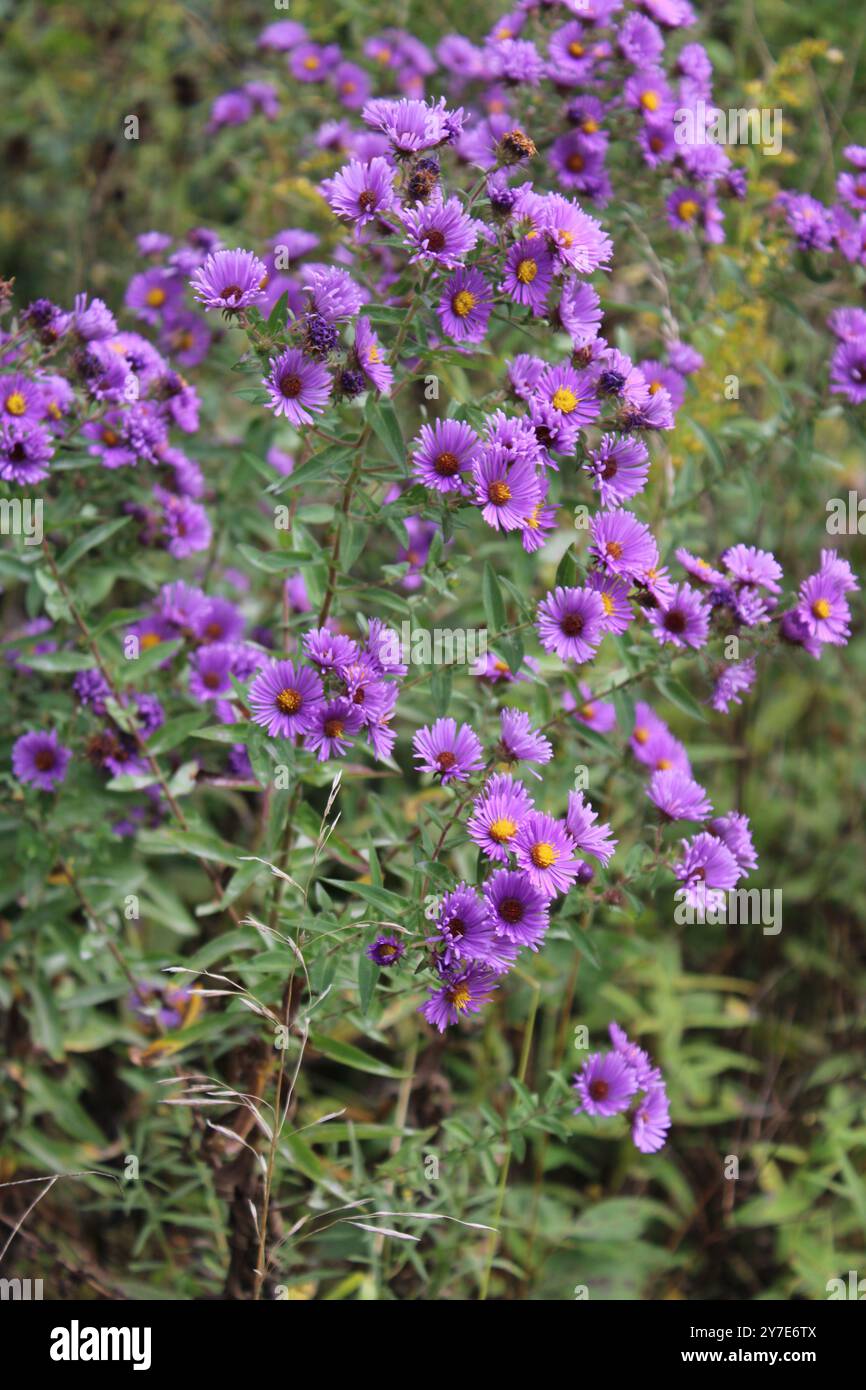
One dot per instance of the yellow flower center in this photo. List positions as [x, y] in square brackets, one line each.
[543, 855]
[288, 701]
[607, 604]
[150, 639]
[499, 493]
[687, 210]
[527, 270]
[664, 765]
[641, 735]
[463, 303]
[373, 353]
[587, 711]
[576, 49]
[155, 297]
[311, 63]
[502, 830]
[460, 997]
[650, 101]
[15, 403]
[575, 162]
[589, 126]
[821, 608]
[564, 399]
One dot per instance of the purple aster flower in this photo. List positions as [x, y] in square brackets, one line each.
[518, 911]
[515, 61]
[409, 125]
[569, 392]
[230, 280]
[555, 433]
[313, 62]
[332, 651]
[589, 837]
[523, 373]
[578, 240]
[613, 592]
[298, 387]
[619, 467]
[808, 219]
[684, 620]
[622, 545]
[282, 35]
[684, 358]
[653, 744]
[545, 851]
[605, 1084]
[640, 41]
[465, 306]
[505, 490]
[752, 566]
[824, 609]
[185, 525]
[39, 758]
[440, 231]
[651, 1121]
[464, 928]
[361, 192]
[229, 109]
[731, 682]
[153, 293]
[386, 950]
[689, 207]
[442, 452]
[210, 678]
[847, 323]
[678, 796]
[92, 690]
[333, 727]
[518, 741]
[848, 371]
[284, 698]
[21, 399]
[570, 623]
[370, 357]
[25, 449]
[449, 752]
[658, 377]
[528, 274]
[94, 321]
[595, 714]
[334, 295]
[462, 993]
[707, 870]
[734, 832]
[497, 814]
[637, 1058]
[839, 570]
[352, 85]
[579, 311]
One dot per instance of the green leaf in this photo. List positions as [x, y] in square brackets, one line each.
[386, 427]
[491, 594]
[61, 661]
[97, 536]
[674, 691]
[350, 1056]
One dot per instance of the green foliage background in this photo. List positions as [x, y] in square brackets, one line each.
[761, 1037]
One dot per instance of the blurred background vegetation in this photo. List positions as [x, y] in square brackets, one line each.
[761, 1037]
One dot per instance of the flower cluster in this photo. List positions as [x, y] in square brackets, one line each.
[345, 688]
[624, 1079]
[838, 229]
